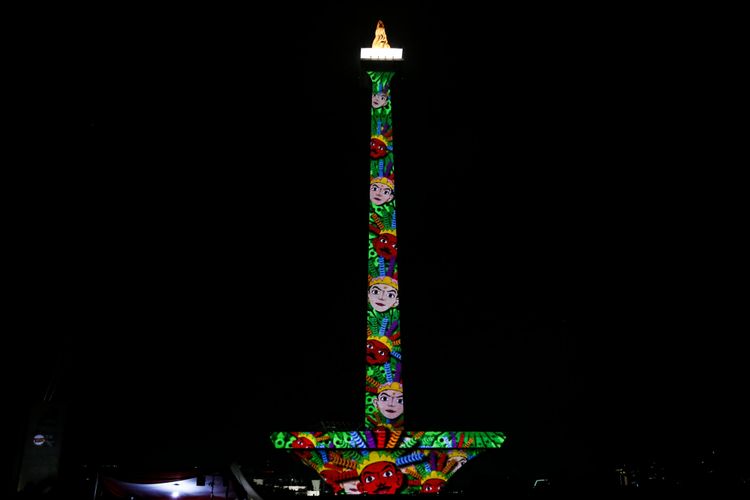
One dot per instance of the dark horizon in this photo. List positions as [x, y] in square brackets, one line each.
[194, 209]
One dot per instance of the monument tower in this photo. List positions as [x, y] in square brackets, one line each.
[382, 457]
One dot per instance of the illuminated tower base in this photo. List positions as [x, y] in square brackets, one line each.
[382, 457]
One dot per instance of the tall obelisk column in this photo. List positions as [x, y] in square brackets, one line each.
[382, 457]
[384, 393]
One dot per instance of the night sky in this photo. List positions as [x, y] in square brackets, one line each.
[196, 235]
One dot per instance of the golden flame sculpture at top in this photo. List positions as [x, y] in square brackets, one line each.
[381, 40]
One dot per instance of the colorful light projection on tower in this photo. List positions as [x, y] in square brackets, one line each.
[382, 457]
[384, 397]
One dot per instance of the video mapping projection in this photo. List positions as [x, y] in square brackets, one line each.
[384, 396]
[382, 457]
[382, 461]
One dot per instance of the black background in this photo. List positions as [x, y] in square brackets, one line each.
[192, 236]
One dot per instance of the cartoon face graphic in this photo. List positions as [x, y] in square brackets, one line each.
[351, 487]
[385, 245]
[380, 193]
[382, 297]
[432, 485]
[458, 459]
[379, 100]
[302, 442]
[380, 478]
[378, 148]
[332, 474]
[390, 403]
[377, 352]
